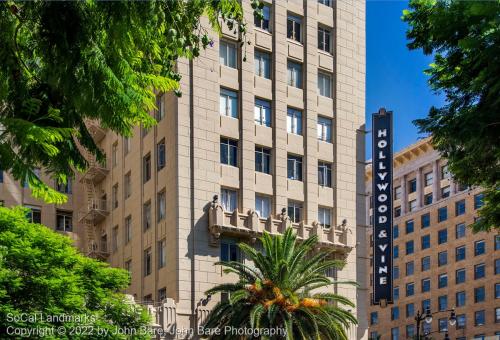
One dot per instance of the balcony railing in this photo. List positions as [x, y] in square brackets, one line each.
[252, 226]
[96, 131]
[96, 172]
[97, 210]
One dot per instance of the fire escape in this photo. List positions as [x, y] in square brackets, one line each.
[96, 207]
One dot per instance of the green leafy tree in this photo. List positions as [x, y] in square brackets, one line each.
[464, 37]
[42, 274]
[63, 62]
[280, 290]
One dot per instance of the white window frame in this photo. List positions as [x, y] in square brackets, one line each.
[228, 103]
[128, 228]
[228, 54]
[262, 112]
[263, 63]
[229, 199]
[67, 220]
[160, 107]
[297, 208]
[162, 253]
[294, 74]
[324, 38]
[428, 179]
[325, 82]
[162, 205]
[263, 205]
[295, 33]
[294, 121]
[260, 23]
[296, 166]
[325, 173]
[325, 217]
[324, 126]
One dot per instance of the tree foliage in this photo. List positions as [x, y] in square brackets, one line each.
[63, 62]
[464, 37]
[41, 273]
[279, 290]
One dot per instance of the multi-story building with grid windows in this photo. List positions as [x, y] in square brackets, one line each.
[265, 136]
[438, 262]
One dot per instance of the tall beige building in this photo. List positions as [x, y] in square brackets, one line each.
[439, 264]
[263, 137]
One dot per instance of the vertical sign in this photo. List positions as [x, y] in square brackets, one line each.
[382, 206]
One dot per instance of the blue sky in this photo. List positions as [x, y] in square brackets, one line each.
[394, 75]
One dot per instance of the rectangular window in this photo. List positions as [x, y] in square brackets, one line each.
[410, 289]
[409, 226]
[228, 103]
[114, 239]
[262, 112]
[426, 304]
[442, 303]
[442, 214]
[412, 205]
[445, 173]
[324, 174]
[263, 206]
[460, 253]
[478, 201]
[410, 331]
[295, 211]
[65, 188]
[425, 220]
[127, 185]
[160, 150]
[479, 318]
[497, 290]
[497, 315]
[479, 247]
[294, 167]
[146, 161]
[294, 121]
[479, 271]
[445, 192]
[229, 199]
[497, 266]
[128, 229]
[443, 325]
[162, 253]
[395, 272]
[147, 215]
[160, 107]
[442, 236]
[428, 179]
[442, 258]
[460, 276]
[426, 241]
[460, 230]
[460, 208]
[264, 23]
[324, 126]
[395, 333]
[428, 199]
[162, 294]
[162, 205]
[127, 144]
[229, 151]
[114, 154]
[426, 285]
[294, 28]
[395, 293]
[394, 313]
[324, 39]
[262, 62]
[460, 299]
[479, 294]
[324, 217]
[410, 247]
[397, 211]
[395, 231]
[373, 318]
[229, 250]
[262, 159]
[294, 74]
[64, 220]
[412, 185]
[497, 242]
[128, 266]
[410, 268]
[325, 84]
[227, 54]
[461, 322]
[147, 262]
[114, 196]
[398, 192]
[395, 252]
[426, 263]
[442, 280]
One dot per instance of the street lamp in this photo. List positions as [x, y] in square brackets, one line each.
[427, 317]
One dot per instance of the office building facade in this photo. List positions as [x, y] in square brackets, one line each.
[438, 262]
[265, 136]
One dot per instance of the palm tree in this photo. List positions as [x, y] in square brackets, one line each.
[279, 291]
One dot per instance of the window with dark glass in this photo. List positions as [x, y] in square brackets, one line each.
[64, 220]
[428, 178]
[442, 214]
[445, 191]
[409, 226]
[229, 151]
[373, 318]
[394, 313]
[410, 331]
[294, 28]
[146, 161]
[397, 211]
[324, 38]
[398, 191]
[479, 247]
[443, 325]
[410, 310]
[460, 208]
[426, 263]
[478, 201]
[428, 199]
[295, 211]
[410, 289]
[460, 299]
[460, 276]
[160, 149]
[147, 262]
[479, 294]
[442, 303]
[442, 258]
[395, 294]
[395, 252]
[460, 253]
[426, 304]
[410, 247]
[412, 185]
[229, 250]
[442, 236]
[262, 159]
[497, 290]
[264, 22]
[479, 271]
[395, 231]
[497, 266]
[460, 230]
[426, 241]
[461, 322]
[395, 272]
[479, 318]
[262, 63]
[410, 268]
[426, 285]
[497, 242]
[425, 220]
[442, 280]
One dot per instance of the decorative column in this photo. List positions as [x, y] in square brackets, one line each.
[435, 181]
[404, 195]
[419, 188]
